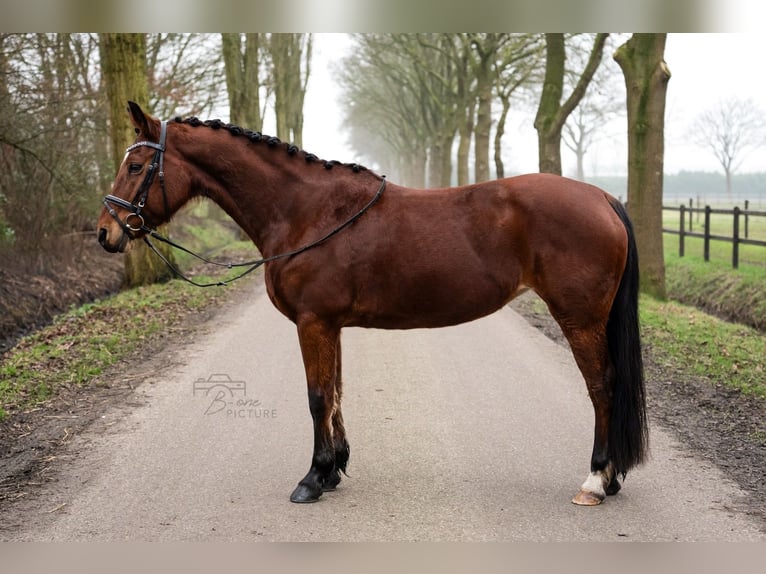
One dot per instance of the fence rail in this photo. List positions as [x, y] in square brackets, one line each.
[740, 233]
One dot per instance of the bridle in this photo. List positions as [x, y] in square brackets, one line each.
[139, 201]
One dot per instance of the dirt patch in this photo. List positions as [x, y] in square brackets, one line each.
[34, 289]
[719, 424]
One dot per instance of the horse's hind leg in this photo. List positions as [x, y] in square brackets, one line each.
[589, 348]
[340, 443]
[319, 346]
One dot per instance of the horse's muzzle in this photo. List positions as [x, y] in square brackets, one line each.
[110, 245]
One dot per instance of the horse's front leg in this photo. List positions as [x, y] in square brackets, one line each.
[319, 346]
[340, 444]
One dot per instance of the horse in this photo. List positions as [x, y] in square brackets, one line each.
[344, 247]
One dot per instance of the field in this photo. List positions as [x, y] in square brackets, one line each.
[720, 225]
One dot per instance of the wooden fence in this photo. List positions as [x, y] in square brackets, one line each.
[741, 219]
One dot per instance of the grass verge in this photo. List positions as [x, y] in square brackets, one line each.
[79, 346]
[738, 295]
[685, 340]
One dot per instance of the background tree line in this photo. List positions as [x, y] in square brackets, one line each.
[64, 129]
[432, 108]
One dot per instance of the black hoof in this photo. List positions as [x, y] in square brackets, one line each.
[304, 493]
[331, 482]
[613, 487]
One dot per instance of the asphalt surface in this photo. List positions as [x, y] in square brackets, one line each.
[476, 432]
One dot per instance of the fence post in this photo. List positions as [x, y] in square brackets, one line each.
[735, 240]
[707, 234]
[747, 217]
[681, 233]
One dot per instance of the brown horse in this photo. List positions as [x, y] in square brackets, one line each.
[404, 258]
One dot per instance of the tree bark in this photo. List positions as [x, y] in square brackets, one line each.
[440, 162]
[482, 133]
[291, 56]
[243, 83]
[646, 79]
[465, 132]
[499, 133]
[551, 113]
[123, 65]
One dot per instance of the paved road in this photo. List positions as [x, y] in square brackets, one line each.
[477, 432]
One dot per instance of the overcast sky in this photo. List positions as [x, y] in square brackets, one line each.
[705, 68]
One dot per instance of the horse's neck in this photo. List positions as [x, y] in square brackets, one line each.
[275, 196]
[254, 192]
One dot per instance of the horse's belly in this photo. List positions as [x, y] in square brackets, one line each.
[429, 302]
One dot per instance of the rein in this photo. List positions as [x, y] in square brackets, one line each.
[156, 167]
[256, 263]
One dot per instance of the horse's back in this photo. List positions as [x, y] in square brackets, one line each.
[456, 254]
[431, 258]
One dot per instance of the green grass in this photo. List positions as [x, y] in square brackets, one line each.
[686, 340]
[203, 228]
[722, 225]
[736, 294]
[82, 344]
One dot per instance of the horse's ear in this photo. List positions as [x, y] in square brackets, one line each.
[139, 120]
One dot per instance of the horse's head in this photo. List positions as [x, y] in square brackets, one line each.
[141, 198]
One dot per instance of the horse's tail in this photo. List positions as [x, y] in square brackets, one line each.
[628, 432]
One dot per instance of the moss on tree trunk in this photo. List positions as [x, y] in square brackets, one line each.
[646, 81]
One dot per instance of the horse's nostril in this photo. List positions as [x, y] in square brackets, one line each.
[102, 235]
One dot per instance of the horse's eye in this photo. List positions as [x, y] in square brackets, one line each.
[135, 168]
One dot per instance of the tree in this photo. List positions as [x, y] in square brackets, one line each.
[417, 91]
[185, 74]
[242, 59]
[291, 68]
[403, 89]
[646, 80]
[51, 150]
[381, 112]
[123, 65]
[426, 68]
[551, 113]
[729, 130]
[513, 72]
[601, 103]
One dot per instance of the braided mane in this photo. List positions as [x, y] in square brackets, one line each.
[271, 141]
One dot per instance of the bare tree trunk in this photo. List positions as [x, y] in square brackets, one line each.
[482, 132]
[548, 131]
[123, 63]
[291, 56]
[551, 114]
[242, 79]
[499, 133]
[580, 153]
[440, 162]
[464, 146]
[414, 168]
[646, 80]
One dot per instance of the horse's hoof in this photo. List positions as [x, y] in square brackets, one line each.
[304, 494]
[613, 487]
[587, 498]
[331, 483]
